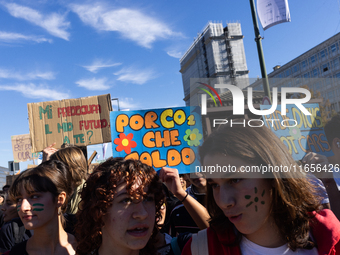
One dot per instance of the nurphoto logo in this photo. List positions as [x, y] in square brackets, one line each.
[238, 100]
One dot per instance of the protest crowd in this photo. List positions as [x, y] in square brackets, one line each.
[125, 207]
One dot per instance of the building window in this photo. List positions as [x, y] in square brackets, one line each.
[330, 94]
[328, 83]
[312, 59]
[325, 67]
[315, 72]
[322, 54]
[304, 64]
[297, 81]
[306, 75]
[333, 47]
[296, 68]
[317, 86]
[288, 72]
[335, 63]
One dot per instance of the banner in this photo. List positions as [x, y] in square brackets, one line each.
[272, 12]
[81, 122]
[158, 137]
[299, 132]
[21, 146]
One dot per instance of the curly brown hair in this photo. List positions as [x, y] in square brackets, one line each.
[294, 197]
[98, 194]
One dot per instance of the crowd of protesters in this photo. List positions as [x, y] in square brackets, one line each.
[126, 207]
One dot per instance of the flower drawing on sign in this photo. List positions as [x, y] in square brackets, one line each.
[192, 137]
[125, 143]
[295, 132]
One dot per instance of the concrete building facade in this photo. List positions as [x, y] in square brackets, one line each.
[3, 173]
[217, 53]
[318, 68]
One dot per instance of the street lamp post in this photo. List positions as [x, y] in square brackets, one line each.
[258, 39]
[113, 99]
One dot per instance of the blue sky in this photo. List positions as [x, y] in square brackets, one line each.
[56, 49]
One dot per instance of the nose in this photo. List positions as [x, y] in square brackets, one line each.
[225, 199]
[25, 205]
[140, 211]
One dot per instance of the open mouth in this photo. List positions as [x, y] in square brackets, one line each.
[138, 232]
[235, 218]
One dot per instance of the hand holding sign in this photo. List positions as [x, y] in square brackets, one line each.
[171, 179]
[48, 151]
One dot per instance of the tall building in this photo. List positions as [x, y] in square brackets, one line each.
[318, 68]
[3, 173]
[217, 53]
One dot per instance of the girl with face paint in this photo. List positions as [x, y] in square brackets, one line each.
[120, 203]
[41, 195]
[273, 212]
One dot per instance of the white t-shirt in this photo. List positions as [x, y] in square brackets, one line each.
[250, 248]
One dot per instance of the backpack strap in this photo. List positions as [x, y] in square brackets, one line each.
[175, 247]
[199, 243]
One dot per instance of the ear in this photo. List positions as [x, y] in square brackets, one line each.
[336, 143]
[61, 198]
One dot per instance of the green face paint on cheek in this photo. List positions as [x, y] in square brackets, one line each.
[256, 199]
[38, 209]
[18, 207]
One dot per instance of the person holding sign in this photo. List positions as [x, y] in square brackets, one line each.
[121, 202]
[41, 194]
[275, 212]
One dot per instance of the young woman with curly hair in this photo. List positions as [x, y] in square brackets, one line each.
[41, 195]
[273, 213]
[120, 203]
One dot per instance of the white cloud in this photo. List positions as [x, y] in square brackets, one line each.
[10, 37]
[93, 84]
[135, 76]
[10, 74]
[53, 23]
[99, 64]
[31, 90]
[131, 24]
[126, 104]
[174, 53]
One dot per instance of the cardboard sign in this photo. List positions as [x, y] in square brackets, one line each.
[308, 134]
[21, 146]
[81, 122]
[158, 137]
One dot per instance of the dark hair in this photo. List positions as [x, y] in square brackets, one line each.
[6, 186]
[49, 176]
[332, 129]
[99, 191]
[293, 195]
